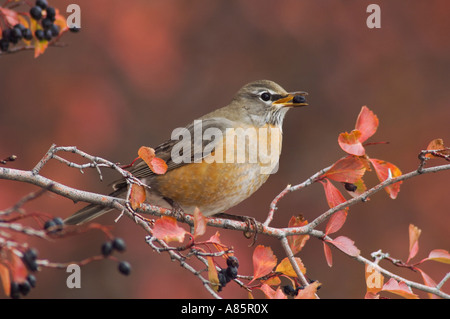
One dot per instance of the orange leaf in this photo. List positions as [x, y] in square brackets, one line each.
[199, 223]
[385, 170]
[367, 123]
[263, 261]
[374, 280]
[212, 275]
[272, 294]
[286, 268]
[167, 229]
[297, 242]
[137, 196]
[439, 255]
[5, 279]
[350, 143]
[346, 245]
[437, 145]
[336, 221]
[414, 234]
[39, 46]
[428, 281]
[399, 288]
[328, 255]
[309, 292]
[347, 170]
[156, 165]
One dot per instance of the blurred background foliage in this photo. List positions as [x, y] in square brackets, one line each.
[140, 68]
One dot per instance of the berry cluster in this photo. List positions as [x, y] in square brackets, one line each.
[54, 225]
[225, 275]
[22, 288]
[119, 245]
[49, 30]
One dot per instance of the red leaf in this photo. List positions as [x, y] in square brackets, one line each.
[199, 223]
[385, 170]
[272, 294]
[167, 229]
[347, 170]
[137, 196]
[414, 234]
[346, 245]
[11, 16]
[156, 165]
[399, 288]
[428, 281]
[336, 221]
[328, 255]
[350, 143]
[367, 123]
[263, 261]
[439, 255]
[297, 242]
[309, 292]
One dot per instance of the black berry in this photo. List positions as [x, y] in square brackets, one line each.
[124, 268]
[24, 288]
[39, 34]
[107, 248]
[27, 34]
[55, 30]
[31, 280]
[42, 4]
[299, 99]
[48, 34]
[232, 262]
[232, 272]
[46, 23]
[29, 259]
[14, 292]
[15, 35]
[36, 12]
[350, 187]
[4, 45]
[51, 13]
[49, 224]
[119, 244]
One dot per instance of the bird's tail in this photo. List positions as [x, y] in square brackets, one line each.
[90, 212]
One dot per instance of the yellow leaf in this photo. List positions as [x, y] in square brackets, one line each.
[286, 268]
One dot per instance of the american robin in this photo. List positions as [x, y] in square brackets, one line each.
[221, 159]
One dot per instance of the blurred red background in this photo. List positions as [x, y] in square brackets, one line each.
[140, 68]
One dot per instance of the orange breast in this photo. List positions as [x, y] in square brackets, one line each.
[216, 184]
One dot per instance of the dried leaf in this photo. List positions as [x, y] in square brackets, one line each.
[286, 268]
[199, 223]
[167, 229]
[156, 165]
[272, 294]
[328, 255]
[137, 196]
[346, 245]
[263, 261]
[437, 145]
[296, 242]
[5, 279]
[367, 123]
[399, 288]
[414, 234]
[309, 292]
[350, 143]
[212, 275]
[387, 170]
[347, 170]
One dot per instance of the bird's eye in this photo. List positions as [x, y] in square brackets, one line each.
[265, 96]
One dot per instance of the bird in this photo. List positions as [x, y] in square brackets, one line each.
[214, 172]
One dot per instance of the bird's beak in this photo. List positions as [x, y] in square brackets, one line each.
[293, 99]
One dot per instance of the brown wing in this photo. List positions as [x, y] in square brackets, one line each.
[184, 139]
